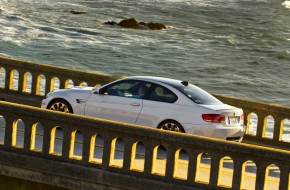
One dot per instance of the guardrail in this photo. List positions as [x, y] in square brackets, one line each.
[24, 125]
[33, 81]
[27, 83]
[266, 124]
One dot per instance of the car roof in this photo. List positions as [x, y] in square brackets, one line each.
[168, 81]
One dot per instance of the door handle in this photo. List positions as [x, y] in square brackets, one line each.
[135, 104]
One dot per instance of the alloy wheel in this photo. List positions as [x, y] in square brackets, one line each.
[59, 106]
[171, 127]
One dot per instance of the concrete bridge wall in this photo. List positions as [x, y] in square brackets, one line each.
[66, 169]
[27, 83]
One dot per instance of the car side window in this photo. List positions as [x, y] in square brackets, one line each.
[128, 89]
[162, 94]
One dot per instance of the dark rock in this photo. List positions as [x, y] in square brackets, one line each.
[129, 23]
[111, 23]
[156, 26]
[77, 12]
[132, 23]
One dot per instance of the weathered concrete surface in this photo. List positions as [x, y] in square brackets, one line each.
[39, 180]
[15, 97]
[226, 175]
[43, 173]
[11, 183]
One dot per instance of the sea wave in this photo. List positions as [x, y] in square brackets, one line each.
[286, 4]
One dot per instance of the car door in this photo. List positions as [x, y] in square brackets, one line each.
[119, 101]
[157, 105]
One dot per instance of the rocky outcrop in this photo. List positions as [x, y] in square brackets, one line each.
[132, 23]
[129, 23]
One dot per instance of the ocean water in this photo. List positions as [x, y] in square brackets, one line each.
[239, 48]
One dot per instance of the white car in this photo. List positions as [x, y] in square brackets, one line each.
[154, 102]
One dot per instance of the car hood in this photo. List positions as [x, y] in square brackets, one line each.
[77, 91]
[82, 88]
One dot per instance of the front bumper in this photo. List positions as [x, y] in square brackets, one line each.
[45, 102]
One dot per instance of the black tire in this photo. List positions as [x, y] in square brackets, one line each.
[60, 105]
[171, 125]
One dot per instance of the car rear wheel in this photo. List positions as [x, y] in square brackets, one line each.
[171, 125]
[60, 105]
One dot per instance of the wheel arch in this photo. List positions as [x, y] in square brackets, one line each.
[59, 99]
[168, 121]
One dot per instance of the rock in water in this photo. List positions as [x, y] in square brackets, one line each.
[77, 12]
[129, 23]
[156, 26]
[111, 23]
[132, 23]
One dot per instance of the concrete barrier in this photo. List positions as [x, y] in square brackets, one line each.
[68, 169]
[27, 83]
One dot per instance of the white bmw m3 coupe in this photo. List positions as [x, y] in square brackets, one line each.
[156, 102]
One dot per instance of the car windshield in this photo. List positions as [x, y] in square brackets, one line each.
[198, 95]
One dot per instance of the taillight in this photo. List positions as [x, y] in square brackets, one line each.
[215, 118]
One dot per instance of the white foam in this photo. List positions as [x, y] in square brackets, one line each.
[286, 4]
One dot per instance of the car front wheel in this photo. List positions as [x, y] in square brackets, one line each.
[171, 125]
[60, 105]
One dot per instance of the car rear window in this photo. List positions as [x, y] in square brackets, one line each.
[198, 95]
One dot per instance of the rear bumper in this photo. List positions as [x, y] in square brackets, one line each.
[217, 131]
